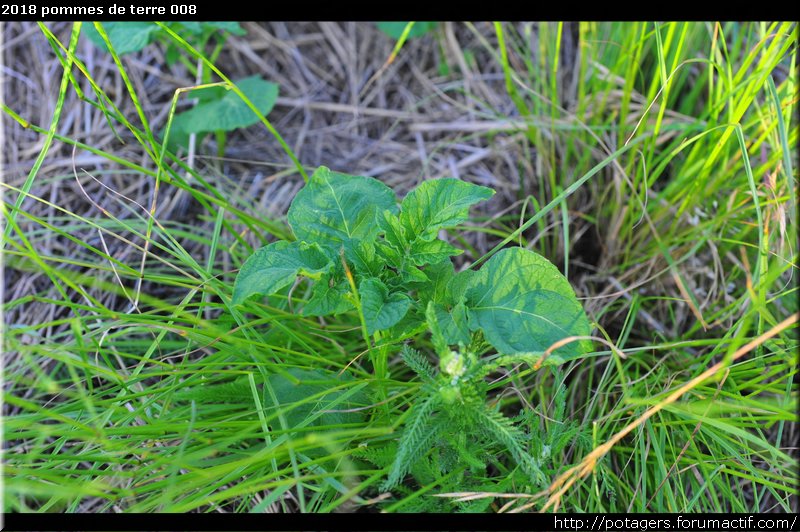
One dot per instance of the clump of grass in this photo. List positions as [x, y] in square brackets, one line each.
[655, 163]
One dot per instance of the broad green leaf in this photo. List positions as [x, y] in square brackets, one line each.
[230, 112]
[445, 295]
[362, 255]
[393, 231]
[125, 37]
[234, 28]
[458, 284]
[172, 54]
[381, 310]
[219, 108]
[129, 37]
[406, 278]
[439, 274]
[209, 94]
[195, 33]
[328, 296]
[277, 265]
[445, 286]
[395, 29]
[228, 392]
[198, 27]
[389, 254]
[412, 324]
[524, 304]
[431, 251]
[453, 323]
[178, 134]
[394, 247]
[336, 209]
[313, 383]
[412, 274]
[186, 26]
[439, 204]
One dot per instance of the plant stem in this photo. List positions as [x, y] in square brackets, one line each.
[379, 362]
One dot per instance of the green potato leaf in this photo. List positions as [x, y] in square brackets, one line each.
[445, 295]
[125, 37]
[199, 27]
[327, 406]
[129, 37]
[277, 265]
[178, 134]
[431, 251]
[230, 112]
[395, 29]
[328, 297]
[412, 274]
[453, 323]
[458, 284]
[412, 324]
[438, 274]
[523, 304]
[439, 204]
[445, 286]
[234, 28]
[393, 232]
[363, 257]
[336, 210]
[381, 310]
[220, 109]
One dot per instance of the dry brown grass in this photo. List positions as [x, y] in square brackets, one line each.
[410, 124]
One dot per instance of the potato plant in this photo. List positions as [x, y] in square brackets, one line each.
[385, 260]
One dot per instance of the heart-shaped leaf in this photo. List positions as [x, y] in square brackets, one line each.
[381, 310]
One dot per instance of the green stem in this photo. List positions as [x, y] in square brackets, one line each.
[189, 48]
[221, 138]
[378, 362]
[510, 88]
[51, 133]
[557, 200]
[381, 358]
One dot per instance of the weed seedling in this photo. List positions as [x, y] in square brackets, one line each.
[217, 109]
